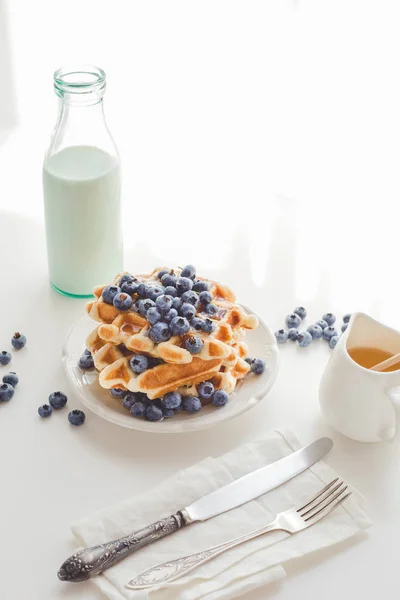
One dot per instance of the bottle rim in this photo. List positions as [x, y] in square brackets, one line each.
[79, 79]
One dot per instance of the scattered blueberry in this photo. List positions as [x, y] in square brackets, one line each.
[187, 310]
[160, 332]
[301, 312]
[205, 390]
[184, 284]
[329, 332]
[333, 341]
[329, 318]
[129, 287]
[200, 286]
[164, 303]
[86, 362]
[170, 291]
[11, 378]
[139, 363]
[161, 273]
[45, 411]
[205, 297]
[5, 358]
[190, 297]
[293, 321]
[129, 400]
[347, 318]
[176, 303]
[109, 292]
[292, 334]
[155, 291]
[207, 325]
[258, 366]
[138, 409]
[179, 326]
[281, 336]
[169, 279]
[322, 323]
[171, 315]
[153, 413]
[57, 400]
[76, 417]
[122, 301]
[189, 271]
[191, 404]
[344, 327]
[18, 341]
[172, 400]
[168, 413]
[125, 279]
[194, 344]
[6, 392]
[118, 393]
[220, 398]
[211, 309]
[304, 339]
[196, 323]
[316, 332]
[153, 315]
[145, 305]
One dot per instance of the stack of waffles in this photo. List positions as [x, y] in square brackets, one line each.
[122, 334]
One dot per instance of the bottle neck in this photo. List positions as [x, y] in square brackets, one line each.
[81, 116]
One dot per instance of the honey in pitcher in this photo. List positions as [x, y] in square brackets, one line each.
[368, 357]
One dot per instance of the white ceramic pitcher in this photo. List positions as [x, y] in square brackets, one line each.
[357, 402]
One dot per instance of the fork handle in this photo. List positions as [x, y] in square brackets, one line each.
[168, 571]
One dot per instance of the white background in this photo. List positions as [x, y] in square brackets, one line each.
[260, 141]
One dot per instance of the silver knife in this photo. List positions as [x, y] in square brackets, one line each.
[88, 562]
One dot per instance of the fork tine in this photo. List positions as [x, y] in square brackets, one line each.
[325, 497]
[319, 494]
[321, 510]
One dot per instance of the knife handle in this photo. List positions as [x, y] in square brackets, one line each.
[88, 562]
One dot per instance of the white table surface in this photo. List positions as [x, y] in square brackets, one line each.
[270, 130]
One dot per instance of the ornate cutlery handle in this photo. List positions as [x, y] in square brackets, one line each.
[88, 562]
[173, 569]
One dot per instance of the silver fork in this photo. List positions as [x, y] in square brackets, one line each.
[291, 521]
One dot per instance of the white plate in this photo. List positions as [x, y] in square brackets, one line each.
[261, 342]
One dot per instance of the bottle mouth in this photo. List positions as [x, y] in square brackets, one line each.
[85, 81]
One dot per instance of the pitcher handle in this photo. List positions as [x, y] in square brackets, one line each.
[395, 400]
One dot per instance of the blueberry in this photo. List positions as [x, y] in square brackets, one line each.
[160, 332]
[322, 323]
[11, 378]
[163, 272]
[316, 332]
[76, 417]
[169, 279]
[329, 332]
[155, 291]
[205, 297]
[171, 315]
[333, 341]
[125, 279]
[129, 287]
[304, 339]
[249, 360]
[170, 291]
[281, 336]
[190, 297]
[129, 400]
[6, 392]
[344, 327]
[184, 284]
[258, 366]
[207, 325]
[142, 290]
[122, 301]
[164, 303]
[179, 326]
[136, 306]
[205, 390]
[45, 411]
[168, 413]
[138, 409]
[189, 271]
[172, 400]
[194, 344]
[139, 363]
[109, 292]
[200, 286]
[220, 398]
[57, 400]
[211, 309]
[196, 323]
[118, 393]
[191, 404]
[301, 312]
[153, 315]
[292, 334]
[346, 318]
[187, 310]
[293, 320]
[86, 362]
[176, 303]
[145, 305]
[5, 358]
[18, 341]
[329, 318]
[153, 413]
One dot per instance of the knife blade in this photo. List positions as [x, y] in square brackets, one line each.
[88, 562]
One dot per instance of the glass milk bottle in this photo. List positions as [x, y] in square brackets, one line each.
[81, 187]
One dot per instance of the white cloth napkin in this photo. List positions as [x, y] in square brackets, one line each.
[241, 569]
